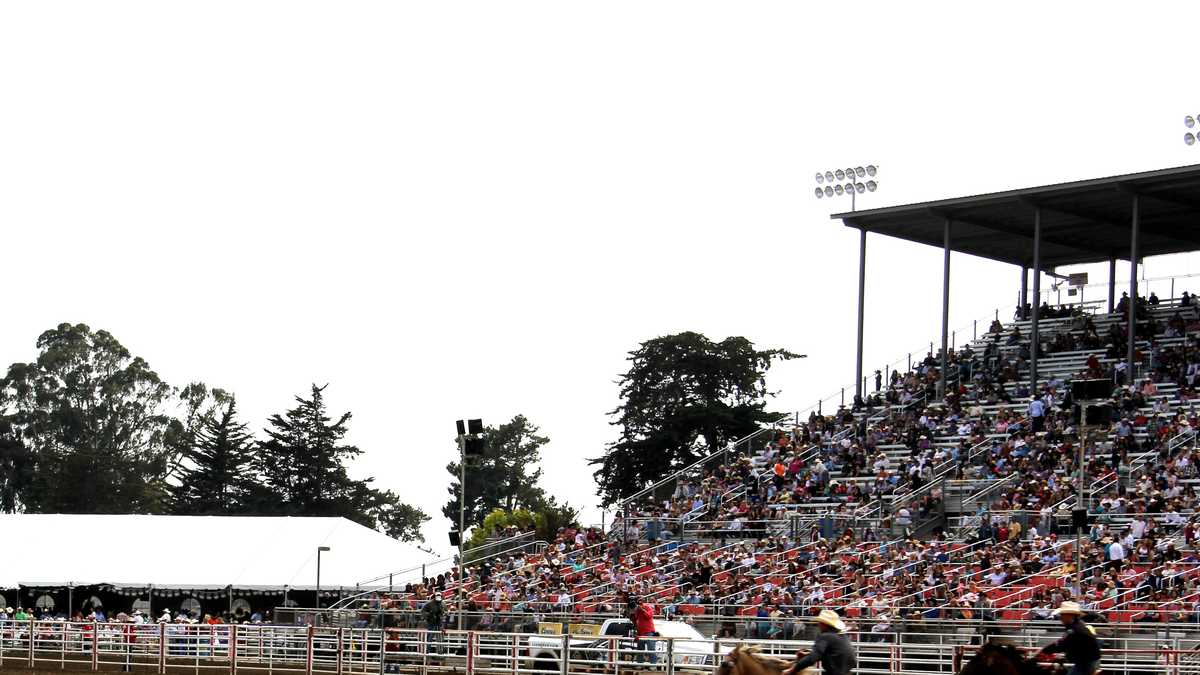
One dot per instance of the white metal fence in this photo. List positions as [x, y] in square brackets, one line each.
[161, 648]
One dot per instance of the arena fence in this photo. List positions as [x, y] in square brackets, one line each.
[345, 651]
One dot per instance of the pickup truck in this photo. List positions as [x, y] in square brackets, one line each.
[690, 647]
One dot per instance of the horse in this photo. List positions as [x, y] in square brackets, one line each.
[995, 658]
[743, 660]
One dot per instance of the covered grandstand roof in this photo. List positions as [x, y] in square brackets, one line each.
[195, 551]
[1082, 222]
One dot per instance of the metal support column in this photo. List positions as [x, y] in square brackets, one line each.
[862, 288]
[1112, 285]
[1024, 292]
[1034, 335]
[945, 304]
[1133, 290]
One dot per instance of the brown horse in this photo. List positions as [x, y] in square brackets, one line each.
[995, 658]
[745, 660]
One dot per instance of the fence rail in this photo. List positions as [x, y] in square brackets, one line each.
[345, 651]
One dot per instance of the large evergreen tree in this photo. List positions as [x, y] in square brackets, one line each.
[216, 476]
[302, 470]
[682, 397]
[92, 424]
[16, 468]
[504, 477]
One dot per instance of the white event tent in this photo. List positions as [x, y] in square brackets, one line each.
[244, 552]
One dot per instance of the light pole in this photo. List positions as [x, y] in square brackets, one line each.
[858, 180]
[470, 442]
[848, 181]
[320, 550]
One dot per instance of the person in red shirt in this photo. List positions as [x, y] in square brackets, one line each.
[643, 626]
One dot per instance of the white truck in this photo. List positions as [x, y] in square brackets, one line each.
[689, 647]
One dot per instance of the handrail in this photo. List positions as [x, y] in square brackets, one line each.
[621, 504]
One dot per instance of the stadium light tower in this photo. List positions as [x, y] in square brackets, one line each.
[854, 182]
[1190, 137]
[850, 181]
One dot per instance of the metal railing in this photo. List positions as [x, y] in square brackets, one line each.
[345, 651]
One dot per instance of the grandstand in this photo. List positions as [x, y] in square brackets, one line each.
[931, 511]
[933, 503]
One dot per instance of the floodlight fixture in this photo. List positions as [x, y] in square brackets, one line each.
[1189, 138]
[838, 182]
[1189, 121]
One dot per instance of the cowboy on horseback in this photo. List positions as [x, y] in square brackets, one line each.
[831, 648]
[1078, 644]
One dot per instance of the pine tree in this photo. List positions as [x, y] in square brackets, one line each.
[217, 475]
[303, 461]
[302, 471]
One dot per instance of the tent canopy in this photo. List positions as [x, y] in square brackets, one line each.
[195, 551]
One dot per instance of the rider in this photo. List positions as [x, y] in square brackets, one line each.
[1079, 643]
[831, 648]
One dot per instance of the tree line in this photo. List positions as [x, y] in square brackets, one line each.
[90, 428]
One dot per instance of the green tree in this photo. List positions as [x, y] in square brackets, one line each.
[545, 521]
[93, 419]
[505, 476]
[301, 468]
[682, 397]
[16, 468]
[216, 476]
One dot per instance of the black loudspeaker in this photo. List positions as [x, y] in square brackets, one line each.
[454, 540]
[1091, 390]
[1079, 519]
[1099, 415]
[462, 429]
[476, 443]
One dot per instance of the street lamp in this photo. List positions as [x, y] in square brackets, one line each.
[320, 550]
[851, 181]
[1191, 137]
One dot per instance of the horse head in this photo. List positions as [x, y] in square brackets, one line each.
[997, 658]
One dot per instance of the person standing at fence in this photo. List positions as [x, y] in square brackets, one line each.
[643, 626]
[433, 612]
[1078, 644]
[831, 648]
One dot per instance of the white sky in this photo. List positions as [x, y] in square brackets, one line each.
[463, 209]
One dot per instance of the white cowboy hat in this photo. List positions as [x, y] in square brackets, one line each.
[830, 618]
[1069, 607]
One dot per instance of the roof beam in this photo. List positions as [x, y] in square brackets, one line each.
[1094, 218]
[1172, 199]
[985, 224]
